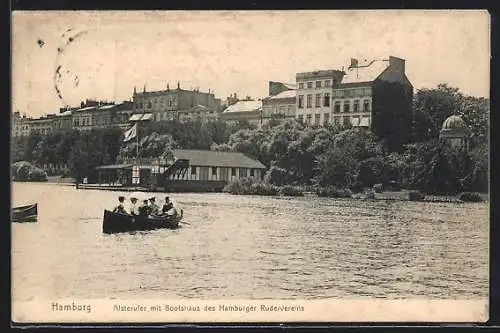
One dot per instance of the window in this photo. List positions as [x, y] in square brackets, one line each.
[233, 172]
[309, 84]
[242, 172]
[336, 108]
[150, 105]
[366, 105]
[340, 93]
[318, 101]
[300, 118]
[301, 101]
[367, 92]
[326, 100]
[252, 172]
[318, 84]
[309, 101]
[193, 170]
[347, 106]
[155, 101]
[316, 119]
[214, 171]
[346, 121]
[326, 119]
[358, 92]
[308, 118]
[301, 85]
[356, 105]
[327, 83]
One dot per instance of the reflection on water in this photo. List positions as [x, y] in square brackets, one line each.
[251, 247]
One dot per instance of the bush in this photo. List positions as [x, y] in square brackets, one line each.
[291, 191]
[250, 186]
[37, 174]
[357, 187]
[333, 192]
[416, 196]
[378, 188]
[470, 197]
[21, 170]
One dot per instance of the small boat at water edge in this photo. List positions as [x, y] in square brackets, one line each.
[28, 213]
[117, 222]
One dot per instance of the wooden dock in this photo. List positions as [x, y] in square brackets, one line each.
[120, 188]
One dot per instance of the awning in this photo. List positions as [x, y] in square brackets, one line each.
[113, 166]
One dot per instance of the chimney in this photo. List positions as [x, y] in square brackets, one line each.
[397, 64]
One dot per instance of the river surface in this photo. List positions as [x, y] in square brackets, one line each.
[248, 247]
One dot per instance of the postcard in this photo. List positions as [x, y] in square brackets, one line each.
[250, 166]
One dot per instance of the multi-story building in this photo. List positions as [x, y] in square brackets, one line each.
[42, 125]
[167, 104]
[61, 121]
[314, 95]
[81, 119]
[375, 94]
[281, 103]
[20, 125]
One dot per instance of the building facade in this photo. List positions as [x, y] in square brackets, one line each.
[61, 122]
[280, 104]
[314, 95]
[373, 94]
[20, 125]
[42, 125]
[250, 111]
[167, 104]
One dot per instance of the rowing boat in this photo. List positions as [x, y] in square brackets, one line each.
[117, 222]
[28, 213]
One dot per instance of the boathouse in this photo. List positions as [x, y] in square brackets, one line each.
[184, 170]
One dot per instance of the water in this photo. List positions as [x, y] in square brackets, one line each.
[251, 247]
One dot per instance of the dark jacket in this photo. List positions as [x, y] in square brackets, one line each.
[167, 207]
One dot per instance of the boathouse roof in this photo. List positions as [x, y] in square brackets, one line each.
[217, 159]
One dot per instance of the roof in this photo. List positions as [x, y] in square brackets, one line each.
[217, 159]
[454, 123]
[284, 94]
[113, 166]
[86, 108]
[105, 107]
[141, 117]
[244, 106]
[366, 72]
[289, 85]
[65, 113]
[318, 73]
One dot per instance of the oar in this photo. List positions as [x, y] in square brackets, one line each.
[185, 222]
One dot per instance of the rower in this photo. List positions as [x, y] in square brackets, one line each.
[168, 205]
[133, 206]
[153, 207]
[120, 208]
[144, 208]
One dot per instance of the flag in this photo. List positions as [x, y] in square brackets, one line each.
[130, 134]
[354, 63]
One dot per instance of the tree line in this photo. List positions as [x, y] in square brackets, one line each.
[299, 154]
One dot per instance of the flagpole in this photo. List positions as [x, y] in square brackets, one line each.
[137, 140]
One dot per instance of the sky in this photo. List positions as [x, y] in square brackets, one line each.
[103, 55]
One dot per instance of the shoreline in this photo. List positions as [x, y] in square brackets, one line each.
[384, 196]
